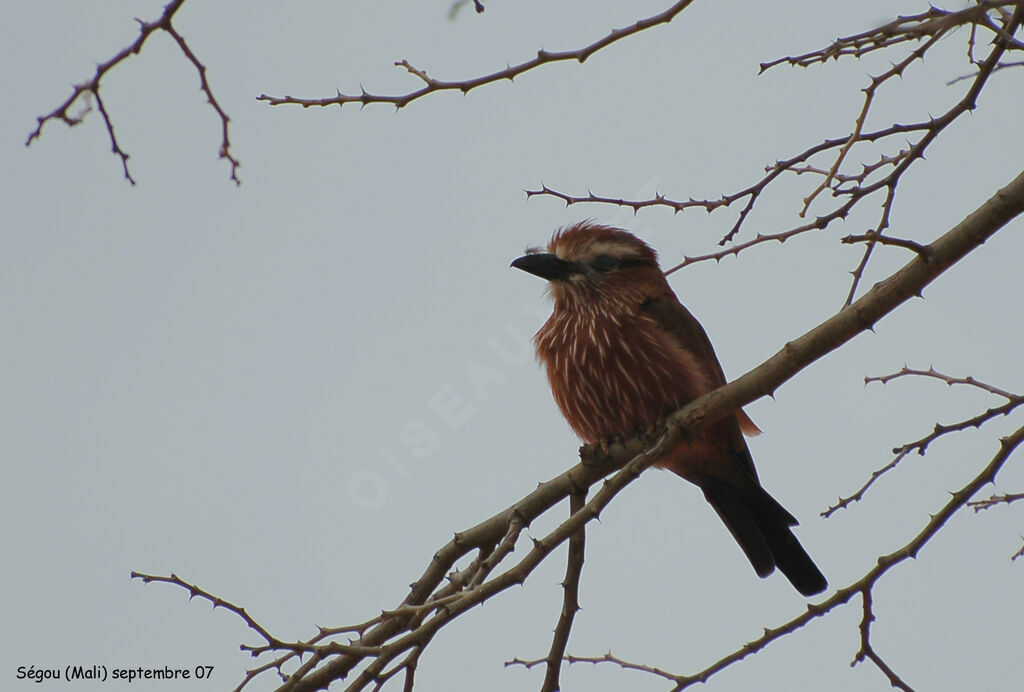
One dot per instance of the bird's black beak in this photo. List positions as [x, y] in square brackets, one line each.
[545, 265]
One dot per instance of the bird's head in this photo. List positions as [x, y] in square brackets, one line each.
[590, 262]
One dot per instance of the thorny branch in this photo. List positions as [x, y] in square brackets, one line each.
[867, 651]
[993, 501]
[948, 379]
[851, 187]
[1001, 499]
[91, 90]
[903, 29]
[432, 85]
[921, 446]
[862, 587]
[876, 237]
[607, 658]
[397, 638]
[570, 597]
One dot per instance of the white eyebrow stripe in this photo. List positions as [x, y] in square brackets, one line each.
[611, 248]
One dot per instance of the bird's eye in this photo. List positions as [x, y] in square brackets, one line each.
[604, 263]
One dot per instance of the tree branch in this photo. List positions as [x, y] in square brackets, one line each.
[948, 379]
[901, 30]
[570, 597]
[921, 445]
[862, 586]
[851, 188]
[92, 88]
[431, 85]
[1002, 499]
[867, 651]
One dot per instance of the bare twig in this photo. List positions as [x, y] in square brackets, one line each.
[875, 237]
[92, 88]
[431, 85]
[867, 651]
[921, 446]
[204, 85]
[570, 596]
[607, 658]
[858, 495]
[216, 601]
[858, 126]
[900, 30]
[997, 68]
[948, 379]
[989, 502]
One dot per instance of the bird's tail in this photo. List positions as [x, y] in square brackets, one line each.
[762, 528]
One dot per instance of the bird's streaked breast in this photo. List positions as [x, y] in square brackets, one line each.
[613, 374]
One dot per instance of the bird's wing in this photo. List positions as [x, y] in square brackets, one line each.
[682, 327]
[676, 321]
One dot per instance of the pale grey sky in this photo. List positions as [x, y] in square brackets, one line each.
[222, 382]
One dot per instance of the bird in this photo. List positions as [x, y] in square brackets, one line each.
[622, 352]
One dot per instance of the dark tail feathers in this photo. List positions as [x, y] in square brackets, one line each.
[762, 528]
